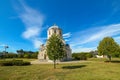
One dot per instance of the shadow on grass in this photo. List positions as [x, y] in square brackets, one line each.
[73, 67]
[114, 61]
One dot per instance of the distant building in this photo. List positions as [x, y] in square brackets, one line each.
[42, 56]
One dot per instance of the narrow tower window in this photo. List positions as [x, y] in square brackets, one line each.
[55, 31]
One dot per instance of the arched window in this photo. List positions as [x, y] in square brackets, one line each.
[55, 31]
[44, 56]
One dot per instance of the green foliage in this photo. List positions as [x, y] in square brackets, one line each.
[10, 55]
[6, 63]
[34, 55]
[108, 47]
[94, 53]
[81, 56]
[14, 63]
[89, 55]
[20, 51]
[26, 55]
[55, 48]
[20, 55]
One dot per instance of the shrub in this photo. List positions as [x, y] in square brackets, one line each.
[89, 55]
[14, 63]
[25, 63]
[83, 56]
[6, 63]
[26, 55]
[79, 56]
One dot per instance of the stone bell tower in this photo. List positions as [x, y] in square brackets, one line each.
[54, 30]
[42, 56]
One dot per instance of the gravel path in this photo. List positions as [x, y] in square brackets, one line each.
[39, 62]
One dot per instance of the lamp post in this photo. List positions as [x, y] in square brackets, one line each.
[5, 50]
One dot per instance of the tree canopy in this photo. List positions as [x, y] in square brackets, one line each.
[55, 48]
[108, 47]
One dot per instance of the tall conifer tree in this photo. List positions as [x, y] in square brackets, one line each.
[55, 48]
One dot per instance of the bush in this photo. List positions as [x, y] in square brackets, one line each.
[14, 63]
[6, 63]
[10, 55]
[25, 63]
[89, 55]
[79, 56]
[82, 56]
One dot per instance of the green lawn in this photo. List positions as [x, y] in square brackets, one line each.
[24, 59]
[97, 69]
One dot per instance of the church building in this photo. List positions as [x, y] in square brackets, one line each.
[42, 56]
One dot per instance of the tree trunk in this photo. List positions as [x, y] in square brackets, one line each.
[109, 57]
[54, 64]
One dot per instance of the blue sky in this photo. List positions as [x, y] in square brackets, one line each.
[24, 23]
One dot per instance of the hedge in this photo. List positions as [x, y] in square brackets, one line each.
[14, 63]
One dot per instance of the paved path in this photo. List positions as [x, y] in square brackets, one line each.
[39, 62]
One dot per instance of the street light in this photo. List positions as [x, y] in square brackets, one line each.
[6, 48]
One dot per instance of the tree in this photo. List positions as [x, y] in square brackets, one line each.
[26, 55]
[20, 51]
[34, 55]
[108, 47]
[81, 55]
[55, 48]
[11, 55]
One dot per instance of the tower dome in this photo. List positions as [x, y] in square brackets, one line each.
[54, 26]
[54, 30]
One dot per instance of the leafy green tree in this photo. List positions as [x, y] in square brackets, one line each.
[26, 55]
[11, 55]
[108, 47]
[20, 51]
[34, 55]
[55, 48]
[89, 55]
[81, 55]
[20, 55]
[75, 56]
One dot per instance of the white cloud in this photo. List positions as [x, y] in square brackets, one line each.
[67, 35]
[117, 39]
[33, 21]
[91, 36]
[110, 30]
[67, 40]
[96, 33]
[31, 32]
[2, 44]
[83, 49]
[37, 43]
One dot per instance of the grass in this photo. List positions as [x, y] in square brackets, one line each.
[97, 69]
[24, 59]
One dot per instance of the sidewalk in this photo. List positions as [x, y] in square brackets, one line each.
[39, 62]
